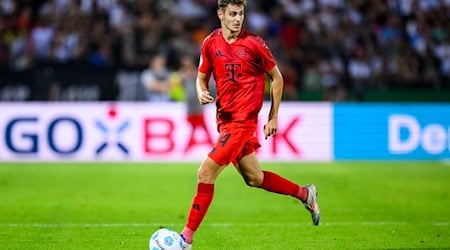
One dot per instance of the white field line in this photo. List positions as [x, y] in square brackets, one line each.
[105, 225]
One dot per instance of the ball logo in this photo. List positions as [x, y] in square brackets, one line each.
[168, 241]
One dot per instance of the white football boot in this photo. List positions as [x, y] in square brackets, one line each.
[186, 246]
[311, 204]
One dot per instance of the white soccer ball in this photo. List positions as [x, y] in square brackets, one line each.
[165, 239]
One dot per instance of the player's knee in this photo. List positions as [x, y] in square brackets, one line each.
[204, 176]
[207, 173]
[253, 180]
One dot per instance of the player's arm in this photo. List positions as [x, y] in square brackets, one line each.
[276, 93]
[201, 83]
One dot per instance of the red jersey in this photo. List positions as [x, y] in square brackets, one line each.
[239, 71]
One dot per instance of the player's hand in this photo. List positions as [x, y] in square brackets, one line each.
[270, 128]
[205, 97]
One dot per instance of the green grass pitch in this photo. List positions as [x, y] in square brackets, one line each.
[365, 205]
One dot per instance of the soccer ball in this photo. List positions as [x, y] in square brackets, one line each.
[165, 239]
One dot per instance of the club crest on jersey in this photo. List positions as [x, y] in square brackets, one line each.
[242, 53]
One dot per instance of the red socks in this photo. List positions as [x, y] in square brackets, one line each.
[205, 192]
[277, 184]
[200, 205]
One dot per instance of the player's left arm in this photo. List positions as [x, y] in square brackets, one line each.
[276, 94]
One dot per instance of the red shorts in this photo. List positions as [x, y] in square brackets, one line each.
[236, 140]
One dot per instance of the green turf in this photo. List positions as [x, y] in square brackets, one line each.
[365, 205]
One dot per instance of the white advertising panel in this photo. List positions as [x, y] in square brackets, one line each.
[149, 132]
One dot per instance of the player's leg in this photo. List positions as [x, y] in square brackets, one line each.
[207, 174]
[254, 176]
[249, 167]
[228, 146]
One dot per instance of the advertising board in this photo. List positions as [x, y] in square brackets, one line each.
[392, 131]
[141, 131]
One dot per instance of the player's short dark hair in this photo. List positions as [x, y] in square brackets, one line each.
[222, 4]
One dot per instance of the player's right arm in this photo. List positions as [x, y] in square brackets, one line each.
[203, 95]
[203, 75]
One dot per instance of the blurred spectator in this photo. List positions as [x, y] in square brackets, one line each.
[20, 52]
[442, 52]
[405, 67]
[189, 9]
[8, 7]
[360, 72]
[291, 82]
[41, 38]
[99, 55]
[195, 110]
[257, 19]
[430, 72]
[156, 79]
[331, 71]
[298, 8]
[311, 77]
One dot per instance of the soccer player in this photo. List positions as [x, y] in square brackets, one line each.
[239, 62]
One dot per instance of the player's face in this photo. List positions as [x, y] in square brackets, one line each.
[232, 17]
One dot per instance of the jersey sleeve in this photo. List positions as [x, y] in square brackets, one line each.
[205, 62]
[267, 59]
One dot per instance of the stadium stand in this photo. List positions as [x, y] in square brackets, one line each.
[329, 50]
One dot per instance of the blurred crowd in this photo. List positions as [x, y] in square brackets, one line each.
[340, 47]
